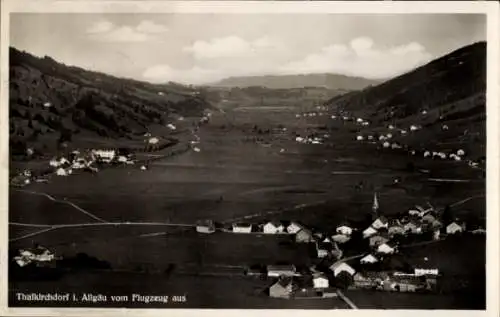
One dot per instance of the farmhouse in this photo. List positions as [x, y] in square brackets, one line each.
[283, 288]
[385, 248]
[403, 283]
[61, 172]
[304, 236]
[380, 222]
[340, 267]
[242, 227]
[294, 227]
[281, 270]
[320, 281]
[205, 226]
[368, 259]
[341, 238]
[345, 230]
[273, 227]
[429, 218]
[453, 228]
[422, 272]
[377, 240]
[396, 229]
[413, 227]
[153, 140]
[368, 232]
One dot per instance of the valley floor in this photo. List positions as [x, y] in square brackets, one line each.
[232, 178]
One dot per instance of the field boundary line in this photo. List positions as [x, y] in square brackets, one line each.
[346, 299]
[64, 201]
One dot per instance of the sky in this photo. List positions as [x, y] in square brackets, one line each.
[204, 48]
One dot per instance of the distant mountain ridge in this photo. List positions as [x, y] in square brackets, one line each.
[330, 81]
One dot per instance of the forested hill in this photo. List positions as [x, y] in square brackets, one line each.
[48, 97]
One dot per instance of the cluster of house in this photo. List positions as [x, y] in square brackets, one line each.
[386, 138]
[311, 114]
[64, 166]
[38, 255]
[301, 233]
[383, 247]
[312, 139]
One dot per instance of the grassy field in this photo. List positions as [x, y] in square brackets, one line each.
[230, 178]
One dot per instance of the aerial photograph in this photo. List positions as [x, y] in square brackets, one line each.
[247, 161]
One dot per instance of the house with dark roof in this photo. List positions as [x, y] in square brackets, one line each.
[304, 236]
[283, 288]
[205, 226]
[273, 227]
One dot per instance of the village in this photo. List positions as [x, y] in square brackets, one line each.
[377, 264]
[356, 256]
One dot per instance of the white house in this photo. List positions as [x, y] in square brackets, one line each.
[413, 212]
[368, 232]
[421, 272]
[381, 138]
[368, 259]
[370, 137]
[205, 226]
[273, 227]
[403, 132]
[385, 249]
[54, 162]
[359, 120]
[105, 155]
[322, 253]
[333, 117]
[143, 168]
[445, 127]
[453, 228]
[299, 139]
[413, 128]
[320, 281]
[171, 126]
[390, 127]
[293, 228]
[386, 144]
[413, 227]
[345, 230]
[359, 138]
[365, 123]
[424, 112]
[339, 267]
[63, 160]
[380, 222]
[153, 140]
[61, 172]
[281, 270]
[242, 227]
[427, 154]
[196, 149]
[460, 152]
[377, 240]
[395, 146]
[341, 238]
[388, 135]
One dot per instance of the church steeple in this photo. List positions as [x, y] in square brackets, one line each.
[375, 205]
